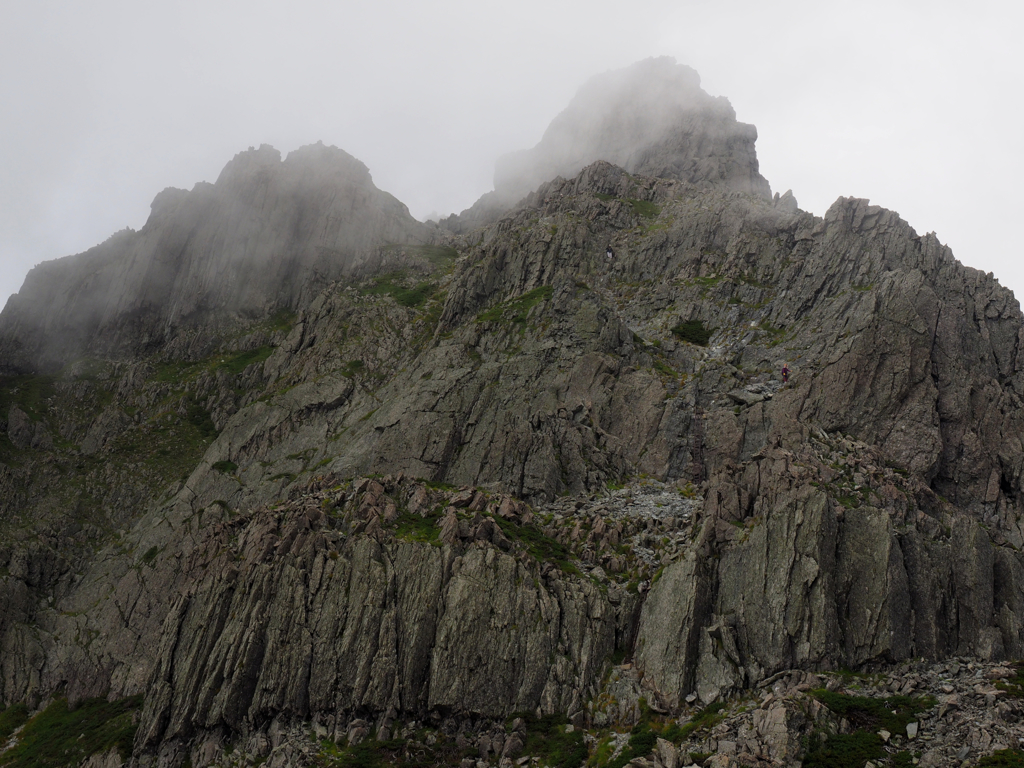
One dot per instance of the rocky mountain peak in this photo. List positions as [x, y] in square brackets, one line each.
[267, 233]
[326, 470]
[310, 165]
[651, 118]
[251, 162]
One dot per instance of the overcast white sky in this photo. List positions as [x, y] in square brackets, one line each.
[915, 105]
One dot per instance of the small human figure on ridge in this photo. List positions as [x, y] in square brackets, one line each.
[785, 374]
[609, 253]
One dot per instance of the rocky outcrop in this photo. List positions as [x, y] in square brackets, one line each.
[355, 613]
[938, 714]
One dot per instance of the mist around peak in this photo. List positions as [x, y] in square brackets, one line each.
[651, 118]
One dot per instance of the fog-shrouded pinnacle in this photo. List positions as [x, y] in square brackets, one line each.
[651, 118]
[268, 232]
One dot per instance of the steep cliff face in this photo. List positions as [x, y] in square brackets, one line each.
[351, 614]
[568, 460]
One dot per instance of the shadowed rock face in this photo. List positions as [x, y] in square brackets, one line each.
[265, 235]
[869, 511]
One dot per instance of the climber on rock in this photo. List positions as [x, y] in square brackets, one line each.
[785, 374]
[609, 253]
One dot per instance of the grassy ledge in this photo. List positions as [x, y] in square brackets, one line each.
[60, 736]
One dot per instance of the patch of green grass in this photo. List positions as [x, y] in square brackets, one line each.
[438, 255]
[59, 736]
[706, 718]
[415, 528]
[850, 502]
[437, 485]
[165, 447]
[892, 713]
[663, 368]
[1014, 686]
[174, 372]
[602, 752]
[352, 367]
[640, 207]
[227, 467]
[29, 393]
[694, 332]
[282, 320]
[867, 715]
[239, 362]
[1004, 758]
[546, 738]
[641, 743]
[367, 754]
[844, 750]
[392, 285]
[200, 418]
[848, 676]
[363, 755]
[11, 719]
[644, 208]
[660, 226]
[540, 546]
[516, 310]
[708, 282]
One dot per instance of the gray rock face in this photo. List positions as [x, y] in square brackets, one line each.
[369, 623]
[866, 512]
